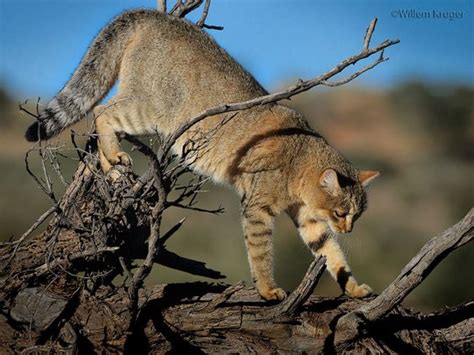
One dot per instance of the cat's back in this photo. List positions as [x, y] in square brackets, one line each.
[181, 67]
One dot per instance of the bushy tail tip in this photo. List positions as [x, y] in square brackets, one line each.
[35, 132]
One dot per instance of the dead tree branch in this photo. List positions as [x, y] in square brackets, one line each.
[202, 21]
[293, 303]
[299, 87]
[58, 290]
[435, 250]
[181, 9]
[204, 14]
[161, 6]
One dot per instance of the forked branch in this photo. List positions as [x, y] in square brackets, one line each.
[299, 87]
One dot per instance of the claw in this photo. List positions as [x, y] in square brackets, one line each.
[360, 291]
[270, 294]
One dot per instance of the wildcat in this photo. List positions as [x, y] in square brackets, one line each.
[169, 70]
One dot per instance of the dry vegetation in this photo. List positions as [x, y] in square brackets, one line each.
[426, 186]
[78, 286]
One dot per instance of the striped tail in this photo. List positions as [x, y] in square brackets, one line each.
[91, 81]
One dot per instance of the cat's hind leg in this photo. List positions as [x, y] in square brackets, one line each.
[107, 127]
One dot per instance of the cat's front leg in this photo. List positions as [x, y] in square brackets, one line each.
[257, 222]
[322, 241]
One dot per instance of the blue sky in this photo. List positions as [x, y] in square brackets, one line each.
[42, 41]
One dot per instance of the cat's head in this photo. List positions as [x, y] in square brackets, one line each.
[337, 199]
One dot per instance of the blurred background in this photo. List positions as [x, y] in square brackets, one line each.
[411, 117]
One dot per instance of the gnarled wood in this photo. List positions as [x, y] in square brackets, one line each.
[435, 250]
[57, 294]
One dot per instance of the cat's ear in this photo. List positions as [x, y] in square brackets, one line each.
[366, 176]
[328, 181]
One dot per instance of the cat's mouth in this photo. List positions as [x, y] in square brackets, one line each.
[339, 229]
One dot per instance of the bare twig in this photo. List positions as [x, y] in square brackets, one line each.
[204, 14]
[30, 230]
[213, 27]
[299, 87]
[23, 109]
[153, 239]
[61, 262]
[206, 210]
[369, 33]
[202, 21]
[299, 296]
[381, 59]
[172, 231]
[161, 5]
[181, 9]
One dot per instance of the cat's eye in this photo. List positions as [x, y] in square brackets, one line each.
[339, 214]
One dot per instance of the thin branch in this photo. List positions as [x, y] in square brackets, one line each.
[161, 5]
[381, 59]
[213, 27]
[61, 262]
[202, 21]
[299, 87]
[44, 185]
[298, 297]
[181, 9]
[35, 116]
[420, 267]
[204, 14]
[172, 231]
[30, 230]
[369, 33]
[187, 207]
[154, 237]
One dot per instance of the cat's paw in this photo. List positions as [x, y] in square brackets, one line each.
[360, 291]
[122, 158]
[273, 294]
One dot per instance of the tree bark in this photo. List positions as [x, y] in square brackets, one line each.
[57, 294]
[59, 290]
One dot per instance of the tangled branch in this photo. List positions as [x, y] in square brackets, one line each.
[104, 224]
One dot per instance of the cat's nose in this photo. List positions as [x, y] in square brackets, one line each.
[347, 227]
[348, 224]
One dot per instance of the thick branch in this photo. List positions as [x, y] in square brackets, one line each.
[420, 267]
[350, 325]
